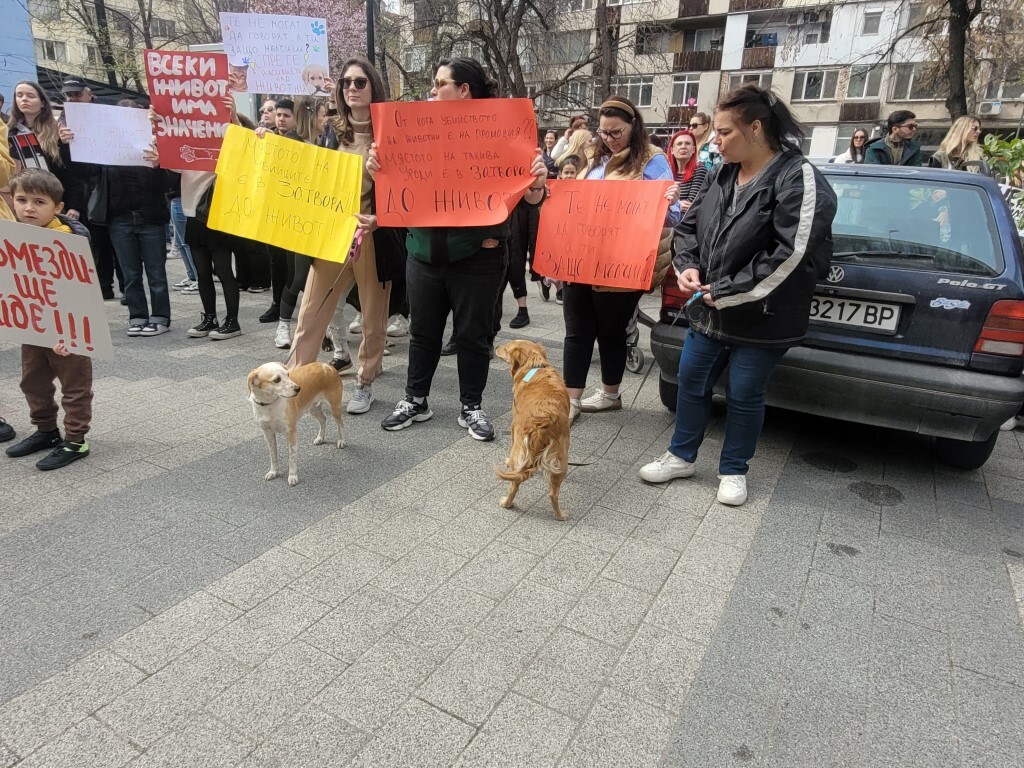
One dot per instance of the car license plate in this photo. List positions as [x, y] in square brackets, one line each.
[869, 315]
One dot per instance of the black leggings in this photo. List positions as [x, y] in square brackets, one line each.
[298, 271]
[211, 253]
[595, 315]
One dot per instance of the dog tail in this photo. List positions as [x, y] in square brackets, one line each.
[550, 462]
[521, 465]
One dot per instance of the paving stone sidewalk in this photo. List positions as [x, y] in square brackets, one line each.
[163, 605]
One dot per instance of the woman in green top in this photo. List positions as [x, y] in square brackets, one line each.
[457, 270]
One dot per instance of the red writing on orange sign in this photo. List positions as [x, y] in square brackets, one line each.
[452, 163]
[602, 232]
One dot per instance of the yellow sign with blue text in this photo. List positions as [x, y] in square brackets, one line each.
[282, 192]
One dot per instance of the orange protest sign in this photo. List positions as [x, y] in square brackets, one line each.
[452, 163]
[601, 232]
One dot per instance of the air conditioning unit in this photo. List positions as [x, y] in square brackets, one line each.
[990, 108]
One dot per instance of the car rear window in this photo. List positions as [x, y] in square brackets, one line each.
[905, 224]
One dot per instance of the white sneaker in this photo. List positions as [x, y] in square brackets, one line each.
[361, 399]
[600, 401]
[732, 489]
[183, 283]
[356, 326]
[173, 253]
[283, 337]
[574, 411]
[668, 467]
[398, 326]
[192, 287]
[1011, 424]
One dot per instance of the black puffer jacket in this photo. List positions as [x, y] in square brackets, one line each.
[763, 261]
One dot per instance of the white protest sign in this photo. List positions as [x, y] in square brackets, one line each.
[49, 293]
[108, 135]
[276, 54]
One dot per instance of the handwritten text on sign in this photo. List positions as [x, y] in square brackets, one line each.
[452, 163]
[49, 293]
[601, 232]
[108, 135]
[282, 192]
[187, 91]
[270, 53]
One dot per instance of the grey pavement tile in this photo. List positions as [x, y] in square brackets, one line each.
[835, 618]
[443, 621]
[911, 725]
[537, 531]
[87, 745]
[990, 711]
[910, 581]
[519, 732]
[911, 652]
[958, 490]
[641, 565]
[848, 556]
[155, 643]
[400, 535]
[40, 714]
[711, 562]
[263, 699]
[620, 731]
[658, 668]
[818, 731]
[452, 497]
[420, 572]
[603, 529]
[569, 567]
[974, 752]
[328, 536]
[668, 527]
[310, 739]
[257, 580]
[496, 570]
[418, 734]
[688, 608]
[568, 672]
[473, 529]
[693, 496]
[797, 521]
[609, 612]
[202, 742]
[631, 496]
[7, 756]
[529, 613]
[358, 623]
[998, 654]
[340, 576]
[378, 683]
[736, 526]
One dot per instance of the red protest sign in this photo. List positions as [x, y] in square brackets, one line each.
[49, 293]
[452, 163]
[601, 232]
[187, 91]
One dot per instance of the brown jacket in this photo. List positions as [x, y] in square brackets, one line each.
[7, 168]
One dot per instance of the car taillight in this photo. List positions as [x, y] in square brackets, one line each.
[1003, 333]
[671, 296]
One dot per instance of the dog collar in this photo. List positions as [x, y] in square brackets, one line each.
[254, 400]
[529, 373]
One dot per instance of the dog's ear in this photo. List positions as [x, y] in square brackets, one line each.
[253, 375]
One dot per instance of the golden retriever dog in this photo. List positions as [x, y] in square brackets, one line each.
[279, 398]
[540, 421]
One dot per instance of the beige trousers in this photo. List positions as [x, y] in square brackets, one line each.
[315, 313]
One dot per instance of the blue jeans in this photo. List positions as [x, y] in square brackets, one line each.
[178, 229]
[141, 247]
[700, 366]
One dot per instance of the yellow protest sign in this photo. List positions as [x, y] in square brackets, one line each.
[282, 192]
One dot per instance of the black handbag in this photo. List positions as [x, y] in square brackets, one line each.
[97, 207]
[203, 206]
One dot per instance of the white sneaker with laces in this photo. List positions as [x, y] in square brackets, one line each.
[361, 399]
[667, 467]
[1011, 424]
[398, 326]
[192, 287]
[283, 337]
[600, 401]
[732, 489]
[184, 282]
[356, 326]
[574, 411]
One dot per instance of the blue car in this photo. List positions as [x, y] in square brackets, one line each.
[919, 325]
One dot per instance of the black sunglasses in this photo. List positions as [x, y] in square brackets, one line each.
[359, 82]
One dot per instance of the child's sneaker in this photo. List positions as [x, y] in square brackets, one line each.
[62, 455]
[7, 432]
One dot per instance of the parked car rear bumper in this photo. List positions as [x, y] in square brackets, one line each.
[914, 397]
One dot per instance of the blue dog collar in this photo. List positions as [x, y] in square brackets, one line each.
[529, 374]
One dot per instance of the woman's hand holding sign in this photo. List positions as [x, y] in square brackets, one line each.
[372, 161]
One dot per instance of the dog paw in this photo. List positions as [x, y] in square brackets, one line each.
[271, 475]
[506, 503]
[341, 443]
[293, 479]
[561, 516]
[318, 441]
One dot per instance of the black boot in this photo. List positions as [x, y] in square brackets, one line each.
[37, 441]
[228, 330]
[450, 348]
[521, 320]
[207, 324]
[272, 315]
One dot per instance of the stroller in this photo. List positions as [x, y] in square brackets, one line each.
[634, 355]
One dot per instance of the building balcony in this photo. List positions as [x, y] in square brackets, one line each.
[859, 111]
[697, 61]
[688, 8]
[760, 57]
[754, 5]
[680, 115]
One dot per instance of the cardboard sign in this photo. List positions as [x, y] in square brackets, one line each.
[269, 53]
[49, 293]
[452, 163]
[601, 232]
[187, 91]
[108, 135]
[282, 192]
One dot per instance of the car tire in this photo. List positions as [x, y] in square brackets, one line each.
[965, 454]
[669, 391]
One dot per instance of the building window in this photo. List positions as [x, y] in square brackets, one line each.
[579, 5]
[684, 90]
[865, 82]
[467, 49]
[919, 21]
[760, 79]
[92, 56]
[415, 59]
[816, 85]
[44, 10]
[639, 90]
[872, 23]
[569, 47]
[162, 28]
[1007, 84]
[572, 95]
[653, 40]
[625, 2]
[51, 50]
[912, 83]
[703, 39]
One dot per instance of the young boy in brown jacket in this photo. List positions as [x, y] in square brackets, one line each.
[38, 198]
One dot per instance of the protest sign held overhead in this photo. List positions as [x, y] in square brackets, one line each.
[49, 292]
[602, 233]
[269, 53]
[108, 135]
[282, 192]
[187, 91]
[452, 163]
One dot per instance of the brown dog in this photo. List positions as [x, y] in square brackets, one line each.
[540, 421]
[278, 400]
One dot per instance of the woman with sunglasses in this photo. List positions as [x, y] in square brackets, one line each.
[374, 257]
[960, 149]
[703, 133]
[598, 314]
[457, 271]
[855, 154]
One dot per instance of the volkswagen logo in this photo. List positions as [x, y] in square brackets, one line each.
[836, 274]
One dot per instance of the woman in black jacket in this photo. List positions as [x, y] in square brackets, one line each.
[749, 252]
